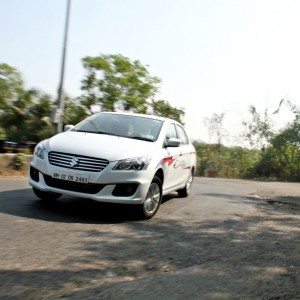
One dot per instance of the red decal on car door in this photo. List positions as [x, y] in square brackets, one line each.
[168, 160]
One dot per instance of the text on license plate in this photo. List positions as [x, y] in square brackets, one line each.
[71, 177]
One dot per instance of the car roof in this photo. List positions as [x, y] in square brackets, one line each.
[140, 115]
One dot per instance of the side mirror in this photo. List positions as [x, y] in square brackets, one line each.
[68, 127]
[173, 142]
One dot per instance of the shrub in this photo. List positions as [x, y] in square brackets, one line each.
[18, 161]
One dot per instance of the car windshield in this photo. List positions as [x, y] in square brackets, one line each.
[128, 126]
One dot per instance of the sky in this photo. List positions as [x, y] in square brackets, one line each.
[213, 56]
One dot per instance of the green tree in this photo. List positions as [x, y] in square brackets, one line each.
[280, 155]
[15, 116]
[287, 149]
[28, 117]
[38, 124]
[111, 80]
[74, 111]
[11, 85]
[164, 109]
[259, 129]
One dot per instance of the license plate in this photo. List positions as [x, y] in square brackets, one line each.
[71, 177]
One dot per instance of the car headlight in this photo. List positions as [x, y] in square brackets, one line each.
[39, 151]
[138, 163]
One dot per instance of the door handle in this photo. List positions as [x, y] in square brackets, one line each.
[180, 154]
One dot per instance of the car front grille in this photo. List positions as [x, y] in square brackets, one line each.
[77, 162]
[88, 188]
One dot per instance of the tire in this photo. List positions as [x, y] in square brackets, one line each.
[183, 193]
[153, 199]
[46, 196]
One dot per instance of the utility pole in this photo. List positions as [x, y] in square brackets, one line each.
[61, 98]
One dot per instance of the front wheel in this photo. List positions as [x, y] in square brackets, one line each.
[153, 199]
[46, 196]
[183, 193]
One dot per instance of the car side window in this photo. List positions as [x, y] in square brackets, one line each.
[171, 132]
[182, 135]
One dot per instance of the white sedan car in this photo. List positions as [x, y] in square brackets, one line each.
[117, 158]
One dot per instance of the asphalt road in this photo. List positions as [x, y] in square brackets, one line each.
[230, 239]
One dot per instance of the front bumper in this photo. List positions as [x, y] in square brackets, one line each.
[106, 180]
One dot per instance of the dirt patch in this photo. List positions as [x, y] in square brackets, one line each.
[13, 166]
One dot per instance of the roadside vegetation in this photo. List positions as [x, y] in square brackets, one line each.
[115, 82]
[268, 154]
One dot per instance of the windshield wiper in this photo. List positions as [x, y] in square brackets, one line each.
[141, 138]
[87, 131]
[109, 133]
[96, 132]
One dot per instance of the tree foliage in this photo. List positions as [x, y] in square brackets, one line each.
[112, 80]
[259, 129]
[287, 149]
[75, 112]
[164, 109]
[28, 118]
[274, 154]
[11, 85]
[222, 161]
[280, 155]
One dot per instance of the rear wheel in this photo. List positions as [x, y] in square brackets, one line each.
[182, 193]
[153, 199]
[46, 196]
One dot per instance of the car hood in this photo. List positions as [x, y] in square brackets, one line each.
[99, 145]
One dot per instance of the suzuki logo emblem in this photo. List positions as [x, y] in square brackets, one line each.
[74, 162]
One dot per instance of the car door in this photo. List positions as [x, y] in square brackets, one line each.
[172, 154]
[184, 162]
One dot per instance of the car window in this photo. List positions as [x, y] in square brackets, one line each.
[171, 132]
[129, 126]
[182, 135]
